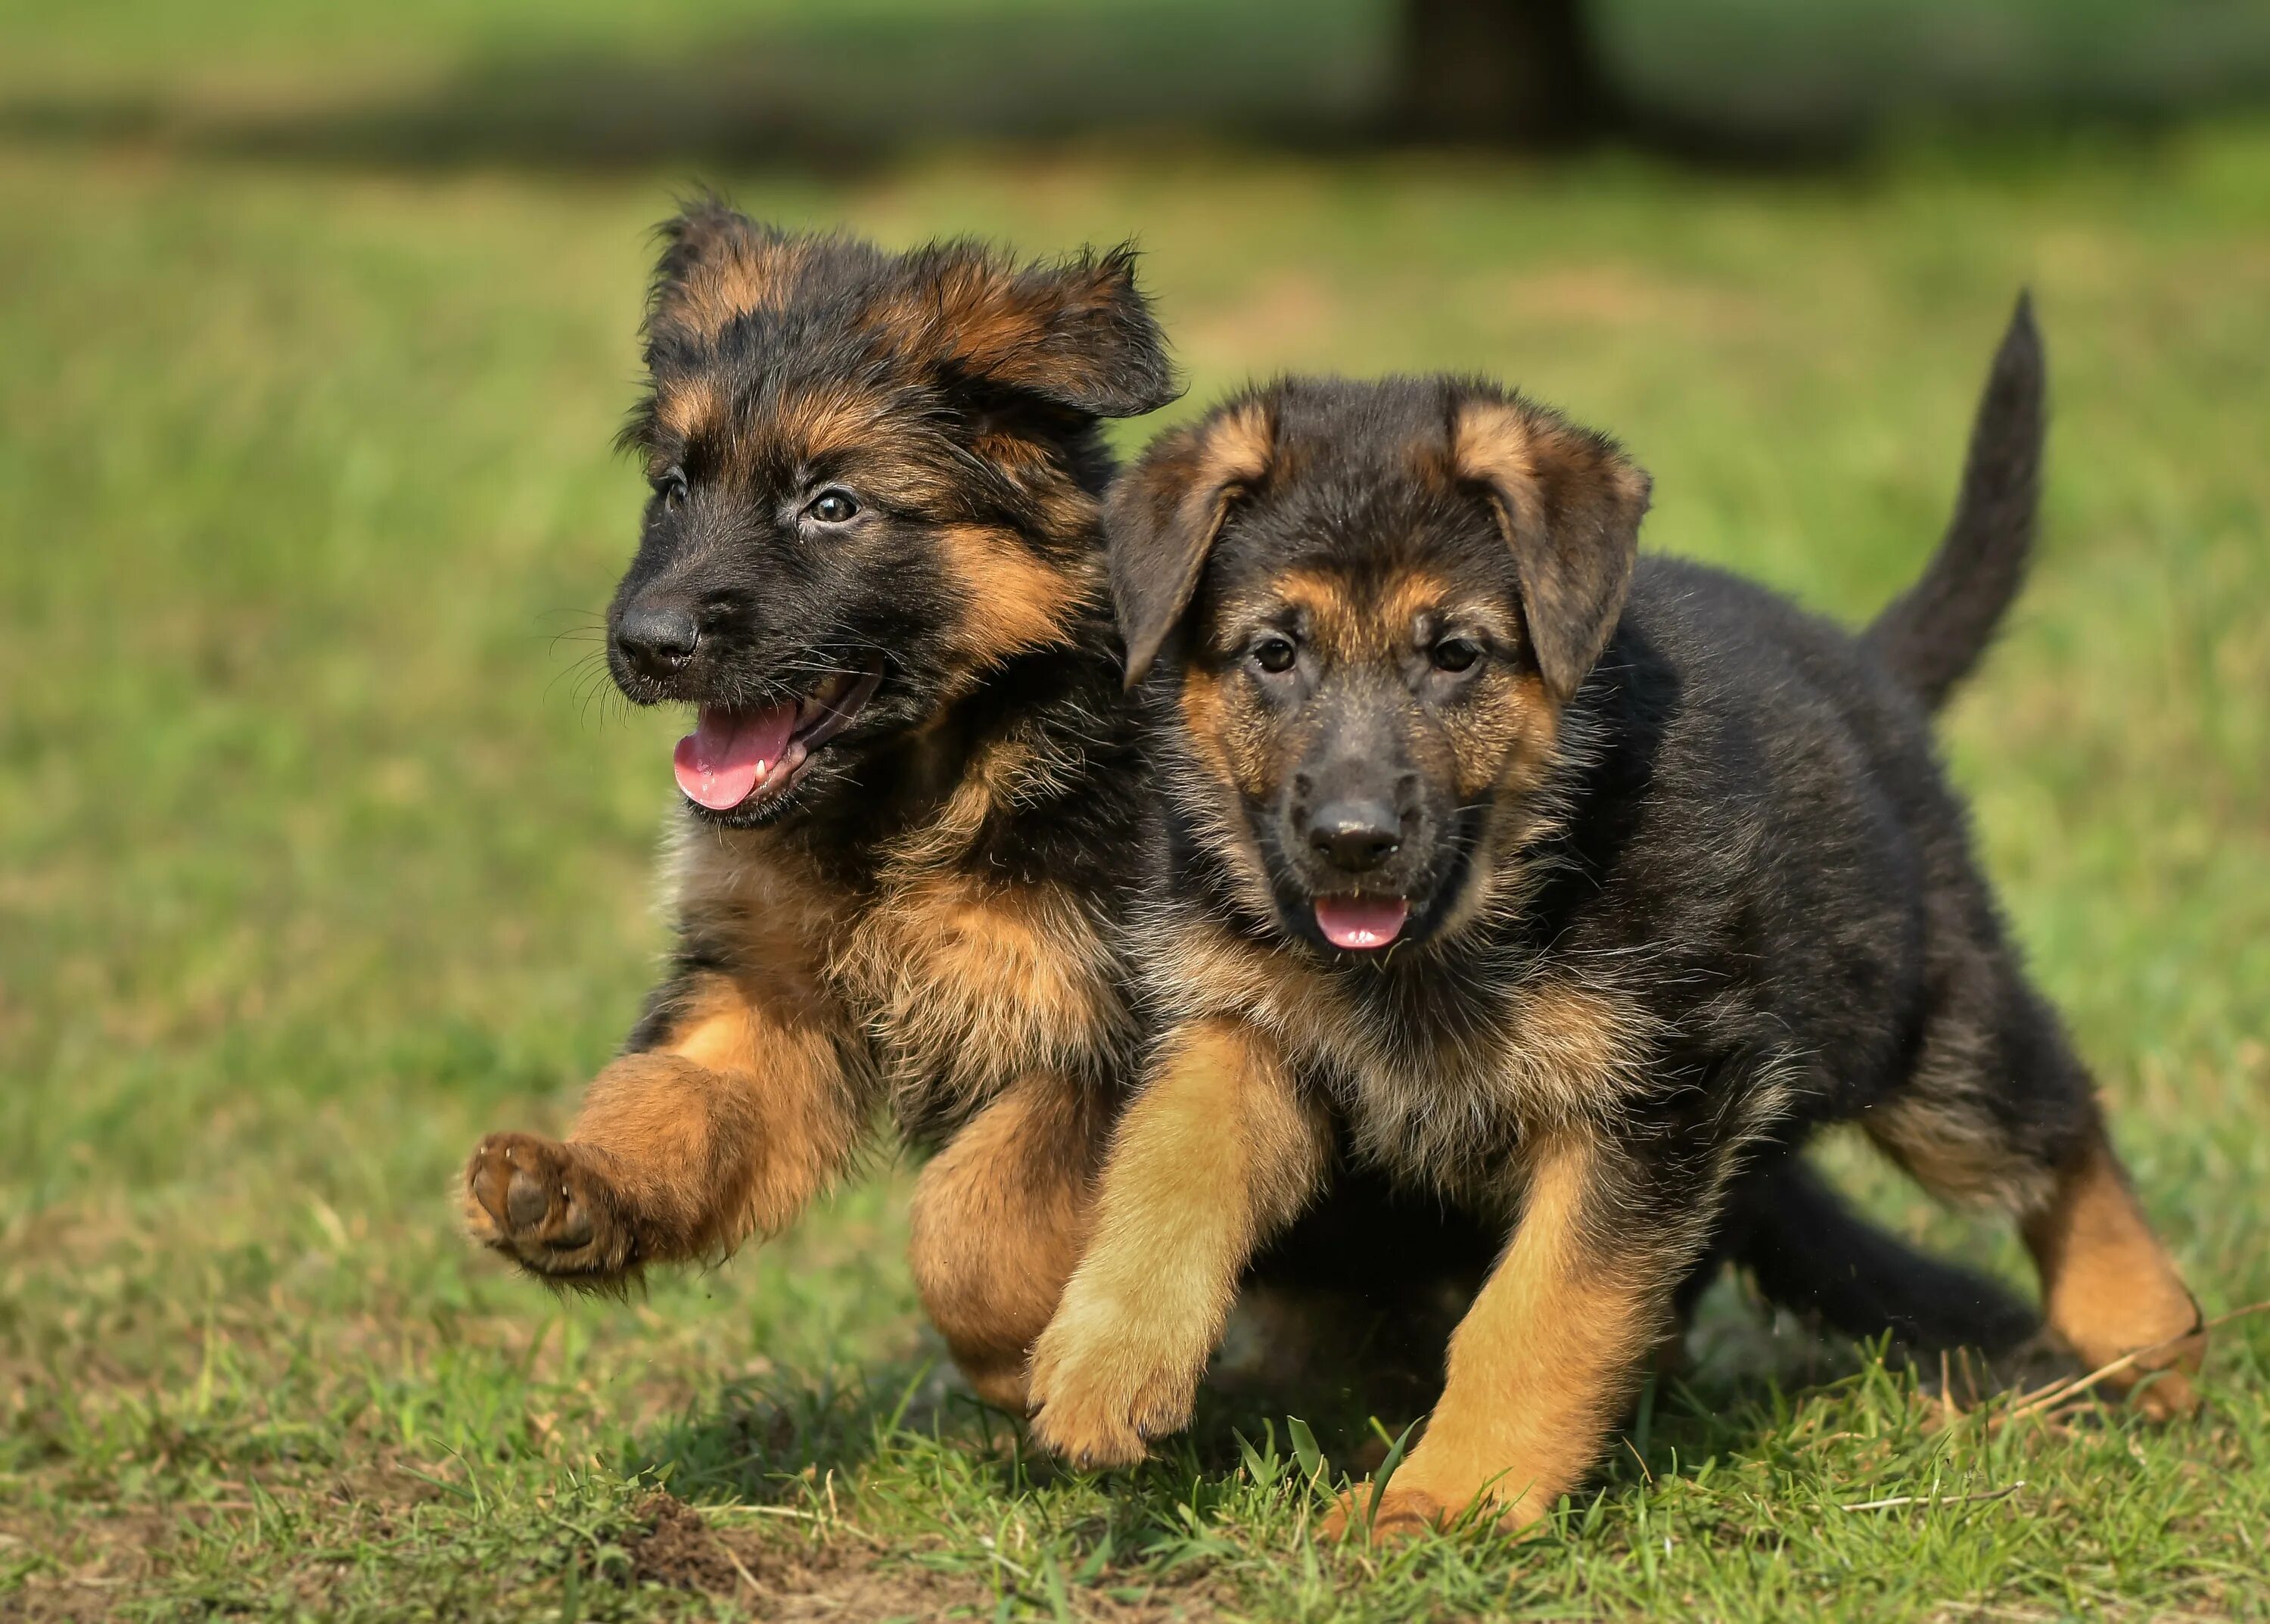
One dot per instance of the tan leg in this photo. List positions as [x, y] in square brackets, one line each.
[1217, 1153]
[726, 1128]
[998, 1220]
[2109, 1287]
[1538, 1367]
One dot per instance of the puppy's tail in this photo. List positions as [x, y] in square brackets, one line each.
[1810, 1252]
[1933, 633]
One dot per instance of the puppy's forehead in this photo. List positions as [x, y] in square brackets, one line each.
[757, 288]
[813, 338]
[1395, 429]
[1358, 611]
[1363, 471]
[816, 411]
[1376, 608]
[795, 387]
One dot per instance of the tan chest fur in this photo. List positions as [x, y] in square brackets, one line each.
[1439, 1107]
[966, 983]
[959, 981]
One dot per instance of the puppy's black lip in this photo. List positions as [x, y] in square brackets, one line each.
[841, 711]
[1430, 889]
[648, 692]
[642, 691]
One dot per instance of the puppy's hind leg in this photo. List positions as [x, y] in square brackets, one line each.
[2108, 1284]
[1999, 1111]
[999, 1220]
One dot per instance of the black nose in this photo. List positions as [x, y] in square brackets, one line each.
[657, 639]
[1354, 835]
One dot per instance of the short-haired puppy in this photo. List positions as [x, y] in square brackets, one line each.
[1577, 887]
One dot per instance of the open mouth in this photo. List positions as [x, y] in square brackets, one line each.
[739, 757]
[1362, 923]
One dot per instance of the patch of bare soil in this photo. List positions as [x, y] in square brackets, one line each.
[793, 1582]
[679, 1548]
[90, 1570]
[676, 1548]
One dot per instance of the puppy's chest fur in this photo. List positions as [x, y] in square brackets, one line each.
[952, 971]
[1439, 1073]
[965, 981]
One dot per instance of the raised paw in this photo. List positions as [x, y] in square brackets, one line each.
[547, 1206]
[1101, 1388]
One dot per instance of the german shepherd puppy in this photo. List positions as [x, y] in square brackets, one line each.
[873, 564]
[1575, 887]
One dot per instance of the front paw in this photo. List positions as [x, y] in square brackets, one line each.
[1103, 1386]
[1407, 1507]
[1400, 1514]
[550, 1208]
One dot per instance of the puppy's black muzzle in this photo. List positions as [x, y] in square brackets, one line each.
[1353, 823]
[1359, 819]
[1354, 835]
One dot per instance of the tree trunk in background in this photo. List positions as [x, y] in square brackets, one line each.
[1501, 72]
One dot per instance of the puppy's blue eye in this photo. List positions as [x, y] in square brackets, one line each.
[670, 485]
[1275, 655]
[831, 507]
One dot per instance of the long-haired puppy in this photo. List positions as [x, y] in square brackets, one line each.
[1574, 886]
[872, 568]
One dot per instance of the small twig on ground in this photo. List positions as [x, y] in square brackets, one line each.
[747, 1578]
[817, 1519]
[1935, 1499]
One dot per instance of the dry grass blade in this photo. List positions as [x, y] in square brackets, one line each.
[2057, 1393]
[817, 1519]
[739, 1567]
[1936, 1500]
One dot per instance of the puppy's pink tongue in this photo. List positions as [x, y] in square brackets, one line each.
[721, 760]
[1361, 920]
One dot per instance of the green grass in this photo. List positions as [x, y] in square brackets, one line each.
[320, 853]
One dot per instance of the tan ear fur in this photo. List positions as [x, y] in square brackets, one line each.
[716, 265]
[1569, 502]
[1076, 332]
[1164, 514]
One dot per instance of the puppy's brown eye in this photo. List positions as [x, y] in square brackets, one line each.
[1275, 655]
[833, 507]
[1454, 654]
[670, 485]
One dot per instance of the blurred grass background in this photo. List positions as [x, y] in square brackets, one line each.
[579, 83]
[323, 848]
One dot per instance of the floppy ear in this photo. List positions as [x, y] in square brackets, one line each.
[1570, 503]
[1076, 332]
[717, 263]
[1164, 514]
